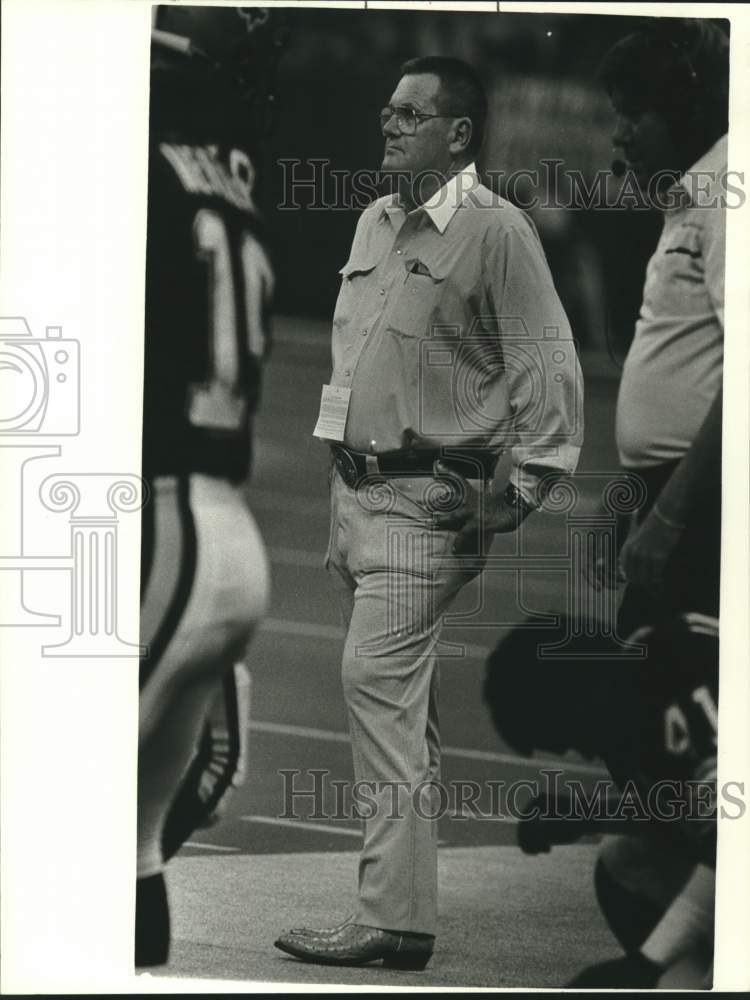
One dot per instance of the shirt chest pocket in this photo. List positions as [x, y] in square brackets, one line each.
[356, 277]
[418, 298]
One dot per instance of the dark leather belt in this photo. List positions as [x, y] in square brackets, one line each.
[471, 463]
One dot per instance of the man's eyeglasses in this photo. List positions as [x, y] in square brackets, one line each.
[406, 118]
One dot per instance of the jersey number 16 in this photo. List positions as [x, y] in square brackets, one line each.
[219, 403]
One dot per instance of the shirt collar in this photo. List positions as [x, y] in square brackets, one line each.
[443, 204]
[707, 175]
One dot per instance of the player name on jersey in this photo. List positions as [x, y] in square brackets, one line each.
[208, 291]
[201, 172]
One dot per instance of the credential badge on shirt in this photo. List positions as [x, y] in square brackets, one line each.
[334, 406]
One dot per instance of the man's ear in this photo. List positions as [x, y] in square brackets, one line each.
[462, 132]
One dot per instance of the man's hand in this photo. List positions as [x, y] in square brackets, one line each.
[476, 514]
[647, 550]
[601, 566]
[602, 573]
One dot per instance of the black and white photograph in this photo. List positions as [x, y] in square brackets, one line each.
[375, 497]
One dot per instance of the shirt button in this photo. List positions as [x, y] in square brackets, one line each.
[347, 373]
[399, 250]
[364, 332]
[382, 291]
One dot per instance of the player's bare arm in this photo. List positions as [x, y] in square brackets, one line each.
[647, 550]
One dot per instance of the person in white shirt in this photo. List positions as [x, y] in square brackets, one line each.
[668, 83]
[669, 88]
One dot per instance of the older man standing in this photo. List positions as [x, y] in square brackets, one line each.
[450, 347]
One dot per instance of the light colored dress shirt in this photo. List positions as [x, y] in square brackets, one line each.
[449, 333]
[673, 370]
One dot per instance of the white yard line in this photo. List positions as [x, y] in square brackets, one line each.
[311, 630]
[306, 732]
[455, 814]
[495, 577]
[337, 736]
[309, 826]
[296, 557]
[211, 847]
[314, 630]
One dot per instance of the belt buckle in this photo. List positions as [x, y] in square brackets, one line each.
[347, 467]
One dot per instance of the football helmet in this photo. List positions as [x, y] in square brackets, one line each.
[651, 721]
[239, 47]
[655, 716]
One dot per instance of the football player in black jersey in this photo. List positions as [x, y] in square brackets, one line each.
[204, 577]
[654, 723]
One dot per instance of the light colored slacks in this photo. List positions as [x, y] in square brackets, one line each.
[396, 576]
